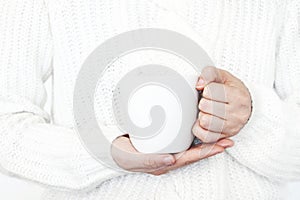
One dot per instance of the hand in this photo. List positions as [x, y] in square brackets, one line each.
[128, 158]
[225, 106]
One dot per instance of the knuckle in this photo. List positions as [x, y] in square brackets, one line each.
[244, 118]
[187, 162]
[245, 106]
[208, 70]
[241, 118]
[243, 101]
[150, 163]
[241, 96]
[234, 129]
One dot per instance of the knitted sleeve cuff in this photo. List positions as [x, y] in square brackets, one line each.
[264, 145]
[49, 154]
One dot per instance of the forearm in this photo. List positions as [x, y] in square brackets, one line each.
[48, 154]
[270, 143]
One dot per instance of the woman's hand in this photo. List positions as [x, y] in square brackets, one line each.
[225, 106]
[128, 158]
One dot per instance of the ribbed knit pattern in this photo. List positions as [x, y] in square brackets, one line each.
[256, 40]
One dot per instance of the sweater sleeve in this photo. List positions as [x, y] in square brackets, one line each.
[270, 143]
[30, 146]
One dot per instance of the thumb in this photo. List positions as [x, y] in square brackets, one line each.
[208, 75]
[155, 161]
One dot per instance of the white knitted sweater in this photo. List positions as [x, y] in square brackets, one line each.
[256, 40]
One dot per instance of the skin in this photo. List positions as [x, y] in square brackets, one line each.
[225, 108]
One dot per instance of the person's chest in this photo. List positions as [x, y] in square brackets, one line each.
[239, 36]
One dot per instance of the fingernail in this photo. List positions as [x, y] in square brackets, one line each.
[225, 143]
[200, 83]
[168, 160]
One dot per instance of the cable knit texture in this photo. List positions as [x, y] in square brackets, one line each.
[256, 40]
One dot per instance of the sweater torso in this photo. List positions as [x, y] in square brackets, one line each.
[240, 36]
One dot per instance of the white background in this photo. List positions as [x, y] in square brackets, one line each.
[14, 189]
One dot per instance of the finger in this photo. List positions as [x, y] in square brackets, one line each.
[225, 143]
[208, 75]
[237, 108]
[217, 92]
[130, 159]
[195, 154]
[206, 136]
[223, 93]
[213, 123]
[153, 162]
[214, 108]
[181, 161]
[213, 74]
